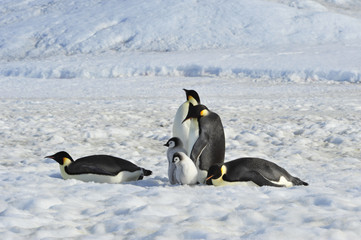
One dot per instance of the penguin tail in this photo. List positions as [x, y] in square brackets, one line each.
[146, 172]
[298, 182]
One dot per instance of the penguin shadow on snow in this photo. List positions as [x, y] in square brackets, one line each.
[52, 175]
[150, 182]
[55, 175]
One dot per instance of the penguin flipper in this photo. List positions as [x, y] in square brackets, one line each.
[101, 164]
[199, 147]
[146, 172]
[81, 169]
[255, 177]
[297, 182]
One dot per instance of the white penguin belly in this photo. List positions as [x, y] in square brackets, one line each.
[193, 134]
[186, 173]
[202, 175]
[123, 176]
[221, 182]
[180, 128]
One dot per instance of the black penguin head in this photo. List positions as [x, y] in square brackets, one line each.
[174, 142]
[60, 157]
[197, 111]
[214, 172]
[177, 157]
[191, 94]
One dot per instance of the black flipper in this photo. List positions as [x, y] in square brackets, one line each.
[101, 164]
[253, 176]
[296, 181]
[199, 147]
[146, 172]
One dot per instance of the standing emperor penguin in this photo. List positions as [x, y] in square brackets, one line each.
[187, 131]
[209, 149]
[174, 145]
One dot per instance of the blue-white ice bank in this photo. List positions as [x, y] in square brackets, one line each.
[289, 40]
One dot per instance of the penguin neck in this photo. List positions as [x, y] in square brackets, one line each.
[66, 163]
[192, 100]
[219, 181]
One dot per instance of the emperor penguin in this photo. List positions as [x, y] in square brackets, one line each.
[174, 145]
[251, 172]
[209, 149]
[99, 168]
[186, 170]
[186, 131]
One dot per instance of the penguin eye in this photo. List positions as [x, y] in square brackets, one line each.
[172, 144]
[176, 159]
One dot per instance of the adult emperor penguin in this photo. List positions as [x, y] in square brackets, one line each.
[251, 172]
[209, 149]
[174, 145]
[186, 131]
[186, 171]
[98, 168]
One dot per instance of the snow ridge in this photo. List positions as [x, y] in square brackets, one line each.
[43, 39]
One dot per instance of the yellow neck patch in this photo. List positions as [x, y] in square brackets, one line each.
[192, 100]
[204, 112]
[219, 181]
[66, 161]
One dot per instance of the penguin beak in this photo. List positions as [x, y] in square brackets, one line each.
[209, 180]
[52, 157]
[165, 144]
[209, 177]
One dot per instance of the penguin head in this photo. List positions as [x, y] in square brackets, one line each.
[174, 142]
[197, 111]
[215, 172]
[192, 96]
[63, 158]
[177, 157]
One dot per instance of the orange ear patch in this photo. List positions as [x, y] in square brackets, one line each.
[204, 112]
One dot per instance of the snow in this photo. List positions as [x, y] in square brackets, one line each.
[95, 77]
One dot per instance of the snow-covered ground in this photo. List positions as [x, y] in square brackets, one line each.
[106, 77]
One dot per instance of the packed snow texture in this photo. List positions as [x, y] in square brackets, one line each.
[106, 77]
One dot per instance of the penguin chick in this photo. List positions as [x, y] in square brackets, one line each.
[98, 168]
[251, 172]
[174, 145]
[186, 171]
